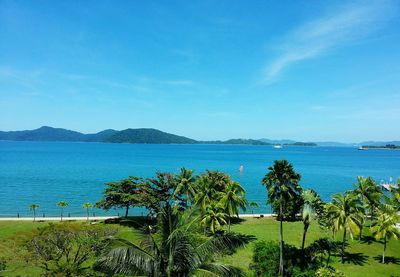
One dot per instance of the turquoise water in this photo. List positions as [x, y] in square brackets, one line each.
[47, 172]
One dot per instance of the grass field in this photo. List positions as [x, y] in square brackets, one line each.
[364, 256]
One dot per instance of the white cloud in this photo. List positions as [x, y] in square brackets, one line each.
[343, 25]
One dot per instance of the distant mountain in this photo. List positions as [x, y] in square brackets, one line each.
[237, 141]
[277, 141]
[147, 136]
[44, 133]
[100, 136]
[334, 144]
[379, 143]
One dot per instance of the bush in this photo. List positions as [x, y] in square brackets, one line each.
[329, 272]
[297, 263]
[265, 258]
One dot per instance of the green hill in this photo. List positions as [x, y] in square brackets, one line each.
[145, 135]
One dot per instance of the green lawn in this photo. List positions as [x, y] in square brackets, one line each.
[363, 255]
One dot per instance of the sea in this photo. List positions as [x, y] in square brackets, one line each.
[45, 173]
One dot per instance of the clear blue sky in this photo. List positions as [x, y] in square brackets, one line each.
[305, 70]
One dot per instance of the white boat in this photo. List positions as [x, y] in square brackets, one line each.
[278, 146]
[362, 148]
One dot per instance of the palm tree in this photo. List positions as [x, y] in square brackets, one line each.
[87, 206]
[233, 199]
[346, 215]
[282, 183]
[311, 205]
[205, 192]
[213, 217]
[369, 194]
[177, 249]
[33, 208]
[253, 205]
[186, 184]
[385, 226]
[62, 205]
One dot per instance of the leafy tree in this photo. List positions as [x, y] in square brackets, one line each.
[282, 184]
[347, 215]
[265, 260]
[213, 217]
[312, 206]
[186, 185]
[87, 206]
[160, 192]
[385, 227]
[177, 249]
[328, 271]
[62, 205]
[122, 194]
[64, 250]
[34, 207]
[232, 199]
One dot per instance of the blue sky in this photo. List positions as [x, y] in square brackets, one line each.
[305, 70]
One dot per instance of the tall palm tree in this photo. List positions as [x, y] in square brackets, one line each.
[369, 194]
[87, 206]
[346, 214]
[282, 184]
[205, 192]
[233, 199]
[385, 226]
[213, 217]
[186, 184]
[312, 204]
[177, 249]
[62, 205]
[34, 207]
[253, 205]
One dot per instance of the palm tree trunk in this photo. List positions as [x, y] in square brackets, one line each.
[62, 213]
[384, 250]
[361, 229]
[229, 224]
[304, 236]
[343, 244]
[280, 273]
[87, 210]
[126, 211]
[34, 215]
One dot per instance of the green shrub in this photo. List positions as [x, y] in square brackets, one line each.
[265, 260]
[329, 272]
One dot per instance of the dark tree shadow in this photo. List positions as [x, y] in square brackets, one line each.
[367, 240]
[237, 220]
[355, 258]
[136, 222]
[388, 259]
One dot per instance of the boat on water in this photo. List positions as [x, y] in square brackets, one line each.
[278, 146]
[362, 148]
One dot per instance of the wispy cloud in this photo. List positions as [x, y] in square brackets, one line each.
[341, 26]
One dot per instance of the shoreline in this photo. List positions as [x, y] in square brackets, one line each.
[84, 218]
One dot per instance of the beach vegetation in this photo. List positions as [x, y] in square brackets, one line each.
[62, 205]
[33, 207]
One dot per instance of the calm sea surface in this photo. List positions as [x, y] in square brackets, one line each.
[48, 172]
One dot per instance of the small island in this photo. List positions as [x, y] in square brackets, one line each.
[387, 146]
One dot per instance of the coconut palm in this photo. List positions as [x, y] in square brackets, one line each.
[282, 184]
[213, 217]
[87, 206]
[34, 207]
[177, 249]
[253, 205]
[369, 194]
[233, 199]
[385, 227]
[346, 215]
[186, 184]
[62, 205]
[312, 205]
[205, 192]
